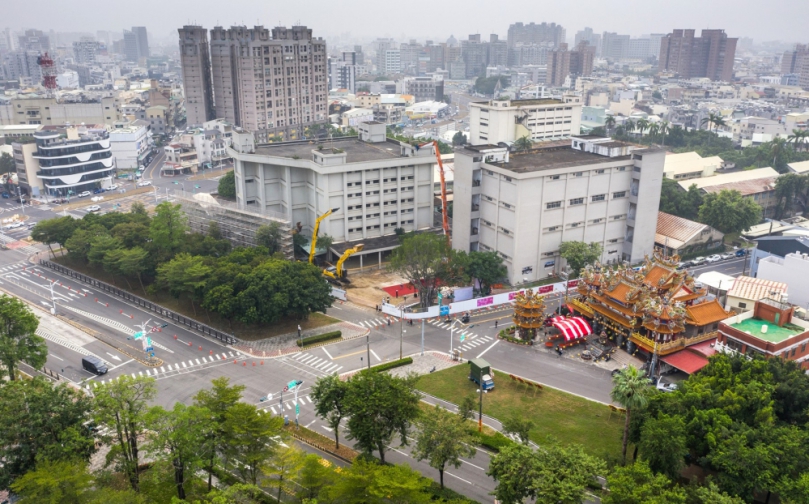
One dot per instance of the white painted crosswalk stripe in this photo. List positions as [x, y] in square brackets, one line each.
[324, 363]
[184, 365]
[330, 368]
[198, 362]
[289, 406]
[309, 399]
[162, 370]
[273, 410]
[299, 356]
[310, 358]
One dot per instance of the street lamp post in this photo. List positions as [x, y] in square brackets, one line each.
[53, 299]
[450, 336]
[480, 410]
[401, 329]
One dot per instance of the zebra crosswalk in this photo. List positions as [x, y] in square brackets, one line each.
[320, 363]
[470, 341]
[374, 323]
[176, 368]
[14, 267]
[289, 405]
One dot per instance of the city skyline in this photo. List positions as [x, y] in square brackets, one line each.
[443, 19]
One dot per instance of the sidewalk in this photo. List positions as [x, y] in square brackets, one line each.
[287, 343]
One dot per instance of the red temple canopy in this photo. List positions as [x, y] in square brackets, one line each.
[572, 327]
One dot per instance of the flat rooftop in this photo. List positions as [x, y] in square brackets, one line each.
[549, 158]
[356, 150]
[774, 334]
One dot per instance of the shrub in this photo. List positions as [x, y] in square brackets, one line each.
[496, 441]
[320, 338]
[392, 364]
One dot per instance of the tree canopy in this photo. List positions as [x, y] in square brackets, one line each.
[729, 212]
[18, 341]
[579, 254]
[227, 185]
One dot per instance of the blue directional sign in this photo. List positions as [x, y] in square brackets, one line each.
[297, 409]
[463, 337]
[443, 310]
[138, 335]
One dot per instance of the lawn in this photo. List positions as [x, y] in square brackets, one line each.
[244, 332]
[565, 417]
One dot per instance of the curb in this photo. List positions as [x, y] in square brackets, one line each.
[295, 349]
[318, 447]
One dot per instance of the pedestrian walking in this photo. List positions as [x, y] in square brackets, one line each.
[495, 324]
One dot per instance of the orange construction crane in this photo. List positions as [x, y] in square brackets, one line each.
[444, 209]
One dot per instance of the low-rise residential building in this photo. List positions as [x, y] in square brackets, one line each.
[11, 132]
[159, 118]
[181, 158]
[525, 205]
[354, 117]
[757, 130]
[799, 167]
[676, 235]
[767, 329]
[70, 109]
[129, 144]
[374, 186]
[793, 270]
[690, 165]
[27, 167]
[542, 119]
[747, 290]
[758, 185]
[776, 246]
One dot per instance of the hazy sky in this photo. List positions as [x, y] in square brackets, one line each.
[784, 20]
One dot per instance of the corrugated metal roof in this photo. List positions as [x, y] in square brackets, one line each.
[677, 229]
[746, 187]
[755, 288]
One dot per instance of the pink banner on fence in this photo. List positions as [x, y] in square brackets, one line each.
[545, 289]
[485, 301]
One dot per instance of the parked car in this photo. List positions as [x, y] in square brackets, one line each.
[666, 387]
[741, 252]
[59, 200]
[94, 365]
[144, 183]
[728, 255]
[97, 198]
[713, 258]
[697, 261]
[113, 187]
[13, 225]
[6, 195]
[683, 265]
[98, 191]
[93, 208]
[84, 194]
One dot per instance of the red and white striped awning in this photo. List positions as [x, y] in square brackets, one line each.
[572, 327]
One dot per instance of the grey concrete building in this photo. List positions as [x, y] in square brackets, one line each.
[196, 68]
[524, 206]
[376, 184]
[424, 88]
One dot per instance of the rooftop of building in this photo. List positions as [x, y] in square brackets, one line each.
[557, 155]
[746, 287]
[774, 334]
[799, 167]
[356, 150]
[729, 178]
[528, 102]
[676, 231]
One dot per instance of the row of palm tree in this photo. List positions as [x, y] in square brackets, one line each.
[799, 137]
[663, 128]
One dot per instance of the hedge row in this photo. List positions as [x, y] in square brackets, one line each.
[392, 364]
[320, 338]
[505, 335]
[229, 479]
[495, 442]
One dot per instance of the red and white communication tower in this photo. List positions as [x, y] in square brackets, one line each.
[48, 69]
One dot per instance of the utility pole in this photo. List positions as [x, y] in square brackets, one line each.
[422, 336]
[368, 347]
[480, 410]
[53, 299]
[401, 329]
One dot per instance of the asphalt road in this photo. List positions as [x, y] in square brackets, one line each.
[733, 267]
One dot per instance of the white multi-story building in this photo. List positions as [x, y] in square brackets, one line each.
[525, 205]
[129, 144]
[377, 185]
[497, 121]
[212, 140]
[792, 270]
[393, 61]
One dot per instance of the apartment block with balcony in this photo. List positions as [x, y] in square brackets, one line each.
[377, 185]
[525, 205]
[541, 119]
[74, 159]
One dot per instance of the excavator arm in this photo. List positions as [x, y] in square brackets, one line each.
[348, 253]
[444, 208]
[314, 234]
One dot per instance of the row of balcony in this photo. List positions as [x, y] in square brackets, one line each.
[670, 347]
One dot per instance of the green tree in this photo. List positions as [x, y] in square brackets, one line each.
[468, 407]
[78, 245]
[630, 389]
[270, 236]
[168, 228]
[514, 469]
[564, 473]
[702, 494]
[99, 247]
[579, 254]
[459, 138]
[54, 482]
[131, 234]
[523, 144]
[285, 464]
[798, 137]
[18, 339]
[789, 187]
[252, 439]
[314, 477]
[642, 125]
[227, 185]
[176, 436]
[56, 230]
[121, 405]
[609, 123]
[663, 129]
[329, 396]
[365, 482]
[663, 444]
[729, 211]
[519, 426]
[443, 438]
[380, 406]
[134, 262]
[713, 121]
[422, 260]
[637, 484]
[487, 267]
[7, 165]
[780, 154]
[218, 400]
[486, 85]
[185, 274]
[41, 422]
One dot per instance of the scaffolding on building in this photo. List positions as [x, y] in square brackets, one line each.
[236, 225]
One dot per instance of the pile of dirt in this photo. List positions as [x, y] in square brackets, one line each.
[366, 287]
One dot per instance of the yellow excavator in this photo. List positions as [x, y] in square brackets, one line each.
[336, 273]
[314, 234]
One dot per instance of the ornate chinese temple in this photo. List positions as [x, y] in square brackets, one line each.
[652, 309]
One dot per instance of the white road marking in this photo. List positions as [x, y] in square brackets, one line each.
[184, 365]
[488, 348]
[56, 356]
[198, 362]
[273, 410]
[327, 353]
[375, 355]
[162, 370]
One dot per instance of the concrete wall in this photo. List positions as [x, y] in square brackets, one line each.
[793, 270]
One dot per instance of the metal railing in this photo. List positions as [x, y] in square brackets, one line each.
[144, 303]
[672, 346]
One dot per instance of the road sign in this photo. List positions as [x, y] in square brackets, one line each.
[286, 387]
[297, 409]
[463, 337]
[138, 335]
[292, 384]
[444, 310]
